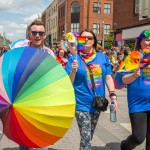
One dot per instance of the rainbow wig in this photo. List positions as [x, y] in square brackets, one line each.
[144, 34]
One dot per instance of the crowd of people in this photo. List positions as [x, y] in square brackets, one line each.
[103, 66]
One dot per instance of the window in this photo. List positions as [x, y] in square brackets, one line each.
[75, 15]
[96, 28]
[62, 11]
[107, 8]
[75, 7]
[96, 7]
[137, 5]
[106, 28]
[74, 27]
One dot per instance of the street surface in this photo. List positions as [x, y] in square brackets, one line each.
[107, 135]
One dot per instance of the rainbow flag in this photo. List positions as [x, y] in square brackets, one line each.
[81, 43]
[121, 65]
[132, 61]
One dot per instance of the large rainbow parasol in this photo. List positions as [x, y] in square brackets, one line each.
[37, 101]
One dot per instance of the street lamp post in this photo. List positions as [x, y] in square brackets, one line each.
[103, 37]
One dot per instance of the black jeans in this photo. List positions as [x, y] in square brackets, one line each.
[140, 124]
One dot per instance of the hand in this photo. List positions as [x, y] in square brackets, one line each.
[136, 73]
[74, 66]
[114, 99]
[72, 49]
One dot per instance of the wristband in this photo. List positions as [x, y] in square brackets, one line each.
[112, 93]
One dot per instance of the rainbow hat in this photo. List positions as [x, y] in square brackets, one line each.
[143, 34]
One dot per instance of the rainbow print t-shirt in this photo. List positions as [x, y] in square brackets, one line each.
[146, 75]
[97, 74]
[100, 67]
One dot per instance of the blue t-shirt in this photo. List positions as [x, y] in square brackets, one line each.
[138, 92]
[100, 67]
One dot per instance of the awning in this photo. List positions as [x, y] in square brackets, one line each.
[133, 33]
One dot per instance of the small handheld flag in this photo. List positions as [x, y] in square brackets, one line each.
[81, 43]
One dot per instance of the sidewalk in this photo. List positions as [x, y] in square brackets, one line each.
[107, 135]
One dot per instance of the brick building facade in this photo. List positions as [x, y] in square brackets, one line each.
[76, 15]
[128, 20]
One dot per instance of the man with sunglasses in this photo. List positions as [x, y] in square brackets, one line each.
[37, 36]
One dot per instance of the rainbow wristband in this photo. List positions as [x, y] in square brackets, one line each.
[112, 93]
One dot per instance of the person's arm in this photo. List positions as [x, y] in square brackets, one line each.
[74, 70]
[127, 79]
[111, 89]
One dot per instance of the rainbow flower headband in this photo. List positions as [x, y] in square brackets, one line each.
[144, 34]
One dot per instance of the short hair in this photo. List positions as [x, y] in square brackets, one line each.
[94, 36]
[37, 22]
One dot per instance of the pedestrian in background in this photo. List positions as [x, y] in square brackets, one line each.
[61, 57]
[56, 49]
[87, 116]
[138, 87]
[37, 36]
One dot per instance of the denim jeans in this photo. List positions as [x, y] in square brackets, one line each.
[26, 148]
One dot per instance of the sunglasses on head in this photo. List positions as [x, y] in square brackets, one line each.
[89, 37]
[40, 33]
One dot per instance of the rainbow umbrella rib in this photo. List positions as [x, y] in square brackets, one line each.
[36, 97]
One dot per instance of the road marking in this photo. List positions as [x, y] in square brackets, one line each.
[126, 126]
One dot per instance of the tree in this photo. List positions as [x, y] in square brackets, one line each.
[54, 41]
[131, 43]
[109, 41]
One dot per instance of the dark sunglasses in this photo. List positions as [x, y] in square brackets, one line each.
[41, 33]
[89, 37]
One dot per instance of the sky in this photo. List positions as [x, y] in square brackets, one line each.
[15, 15]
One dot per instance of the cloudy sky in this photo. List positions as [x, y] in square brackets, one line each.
[16, 14]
